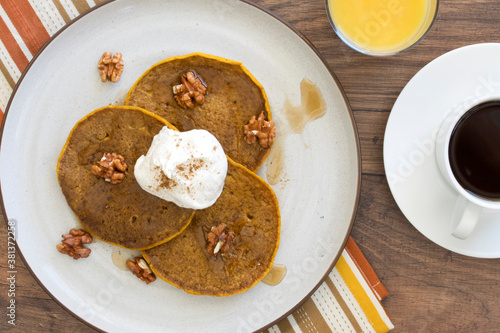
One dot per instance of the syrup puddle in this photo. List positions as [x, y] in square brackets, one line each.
[275, 275]
[120, 255]
[312, 106]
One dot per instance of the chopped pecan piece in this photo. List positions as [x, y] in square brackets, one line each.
[191, 90]
[110, 68]
[72, 244]
[111, 167]
[141, 269]
[219, 239]
[260, 129]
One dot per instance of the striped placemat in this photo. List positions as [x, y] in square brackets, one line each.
[348, 300]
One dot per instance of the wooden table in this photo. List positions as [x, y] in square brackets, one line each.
[431, 289]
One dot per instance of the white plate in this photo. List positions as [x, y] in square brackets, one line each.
[318, 194]
[459, 77]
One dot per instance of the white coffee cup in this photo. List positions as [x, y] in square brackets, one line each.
[469, 206]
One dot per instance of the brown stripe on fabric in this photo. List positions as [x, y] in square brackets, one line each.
[343, 305]
[61, 10]
[27, 23]
[81, 5]
[13, 49]
[6, 73]
[285, 326]
[99, 1]
[1, 115]
[310, 319]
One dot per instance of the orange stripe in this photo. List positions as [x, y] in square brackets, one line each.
[1, 115]
[27, 23]
[366, 269]
[12, 47]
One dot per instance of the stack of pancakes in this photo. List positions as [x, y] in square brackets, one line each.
[174, 239]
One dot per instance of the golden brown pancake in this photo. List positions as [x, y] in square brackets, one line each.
[248, 206]
[122, 214]
[233, 97]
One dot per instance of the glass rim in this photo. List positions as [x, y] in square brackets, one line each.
[427, 25]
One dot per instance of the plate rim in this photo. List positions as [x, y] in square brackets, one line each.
[327, 66]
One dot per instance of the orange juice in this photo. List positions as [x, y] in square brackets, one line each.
[381, 26]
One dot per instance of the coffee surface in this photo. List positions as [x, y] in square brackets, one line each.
[474, 150]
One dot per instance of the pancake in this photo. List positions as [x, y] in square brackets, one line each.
[122, 214]
[249, 207]
[233, 97]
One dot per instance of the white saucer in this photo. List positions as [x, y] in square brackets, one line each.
[455, 78]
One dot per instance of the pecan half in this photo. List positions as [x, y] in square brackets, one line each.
[111, 167]
[261, 129]
[219, 239]
[72, 244]
[191, 90]
[110, 67]
[141, 269]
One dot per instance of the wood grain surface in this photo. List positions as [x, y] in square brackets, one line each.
[431, 289]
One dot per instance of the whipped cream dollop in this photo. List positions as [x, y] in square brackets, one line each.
[186, 168]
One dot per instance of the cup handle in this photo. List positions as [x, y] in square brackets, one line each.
[464, 218]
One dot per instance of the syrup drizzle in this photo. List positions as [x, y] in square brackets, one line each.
[312, 107]
[276, 160]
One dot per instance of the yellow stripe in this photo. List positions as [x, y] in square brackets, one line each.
[343, 305]
[360, 294]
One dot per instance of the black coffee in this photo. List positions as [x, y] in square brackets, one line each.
[475, 150]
